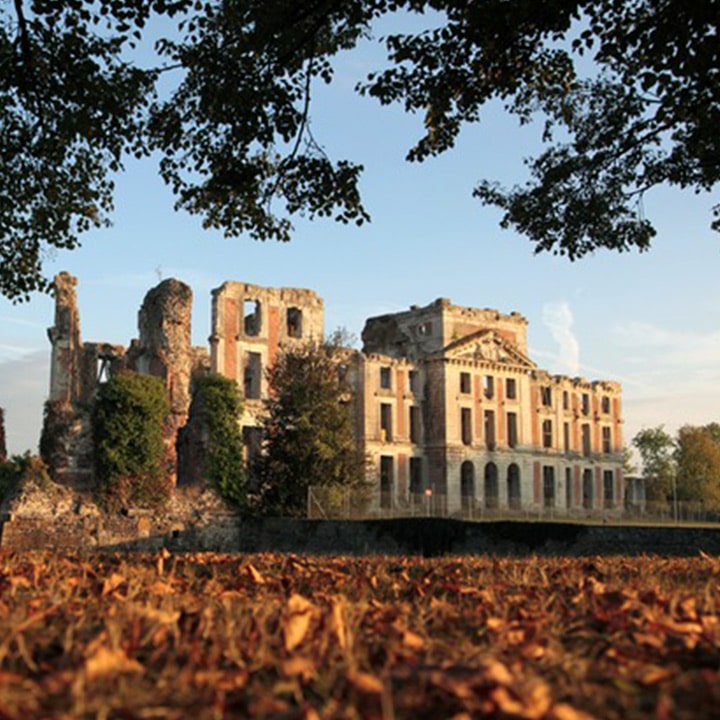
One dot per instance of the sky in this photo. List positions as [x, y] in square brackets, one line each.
[650, 321]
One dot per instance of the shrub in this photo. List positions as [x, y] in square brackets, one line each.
[128, 436]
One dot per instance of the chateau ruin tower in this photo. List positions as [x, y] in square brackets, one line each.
[66, 343]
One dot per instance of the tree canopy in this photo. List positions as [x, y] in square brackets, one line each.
[629, 92]
[308, 433]
[657, 452]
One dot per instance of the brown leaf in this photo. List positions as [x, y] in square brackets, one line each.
[113, 583]
[367, 683]
[254, 574]
[297, 622]
[104, 662]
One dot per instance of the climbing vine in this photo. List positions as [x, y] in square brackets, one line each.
[217, 403]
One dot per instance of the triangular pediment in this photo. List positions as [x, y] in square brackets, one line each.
[487, 346]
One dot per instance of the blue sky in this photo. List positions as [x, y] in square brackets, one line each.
[650, 321]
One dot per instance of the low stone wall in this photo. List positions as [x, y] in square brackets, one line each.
[426, 537]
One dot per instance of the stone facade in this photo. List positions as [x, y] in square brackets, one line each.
[450, 408]
[454, 412]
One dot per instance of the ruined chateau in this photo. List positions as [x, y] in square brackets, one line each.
[450, 409]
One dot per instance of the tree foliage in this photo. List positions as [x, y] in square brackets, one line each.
[657, 448]
[308, 433]
[128, 418]
[629, 92]
[217, 399]
[698, 463]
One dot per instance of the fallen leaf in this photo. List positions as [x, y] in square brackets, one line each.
[365, 682]
[105, 662]
[298, 621]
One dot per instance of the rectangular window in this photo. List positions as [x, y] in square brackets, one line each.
[415, 431]
[490, 429]
[547, 433]
[585, 404]
[416, 479]
[489, 385]
[387, 472]
[512, 429]
[466, 425]
[546, 395]
[293, 319]
[252, 376]
[608, 488]
[414, 382]
[510, 389]
[568, 488]
[385, 378]
[607, 439]
[566, 437]
[386, 434]
[548, 486]
[465, 383]
[605, 404]
[566, 400]
[586, 447]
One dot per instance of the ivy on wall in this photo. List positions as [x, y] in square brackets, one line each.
[128, 437]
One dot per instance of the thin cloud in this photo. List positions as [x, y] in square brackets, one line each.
[558, 319]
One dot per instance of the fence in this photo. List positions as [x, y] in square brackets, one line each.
[333, 503]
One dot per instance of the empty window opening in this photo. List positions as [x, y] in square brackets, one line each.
[511, 389]
[585, 404]
[587, 489]
[416, 478]
[386, 481]
[566, 437]
[566, 400]
[386, 434]
[605, 404]
[568, 488]
[424, 329]
[103, 367]
[465, 387]
[467, 485]
[414, 382]
[607, 439]
[489, 386]
[466, 425]
[548, 486]
[252, 376]
[546, 395]
[608, 488]
[512, 430]
[513, 487]
[586, 439]
[385, 378]
[252, 317]
[294, 322]
[415, 425]
[547, 433]
[490, 429]
[491, 486]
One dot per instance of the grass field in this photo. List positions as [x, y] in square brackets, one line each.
[281, 636]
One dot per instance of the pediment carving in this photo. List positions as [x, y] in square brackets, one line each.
[487, 346]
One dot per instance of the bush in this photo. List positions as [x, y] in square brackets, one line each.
[128, 436]
[21, 467]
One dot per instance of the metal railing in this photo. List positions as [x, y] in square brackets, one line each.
[334, 503]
